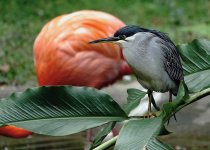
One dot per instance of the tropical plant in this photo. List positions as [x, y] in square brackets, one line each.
[63, 110]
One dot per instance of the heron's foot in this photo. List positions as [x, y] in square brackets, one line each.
[150, 115]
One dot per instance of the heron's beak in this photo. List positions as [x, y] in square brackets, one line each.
[105, 40]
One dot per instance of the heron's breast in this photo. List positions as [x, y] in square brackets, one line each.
[149, 69]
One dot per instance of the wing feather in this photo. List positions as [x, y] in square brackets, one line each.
[172, 61]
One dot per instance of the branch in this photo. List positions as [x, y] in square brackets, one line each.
[195, 97]
[107, 144]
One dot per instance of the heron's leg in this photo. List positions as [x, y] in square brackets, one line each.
[170, 96]
[154, 103]
[149, 113]
[170, 100]
[150, 101]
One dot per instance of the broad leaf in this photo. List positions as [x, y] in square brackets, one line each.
[155, 144]
[169, 108]
[183, 99]
[182, 93]
[102, 134]
[192, 98]
[134, 99]
[167, 111]
[136, 134]
[196, 64]
[163, 131]
[59, 110]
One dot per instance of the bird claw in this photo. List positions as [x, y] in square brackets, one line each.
[150, 115]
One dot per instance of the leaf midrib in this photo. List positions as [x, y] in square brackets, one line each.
[63, 119]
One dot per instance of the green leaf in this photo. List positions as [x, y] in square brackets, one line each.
[192, 98]
[167, 111]
[182, 93]
[155, 144]
[59, 110]
[136, 134]
[164, 131]
[170, 108]
[134, 99]
[183, 99]
[195, 58]
[102, 134]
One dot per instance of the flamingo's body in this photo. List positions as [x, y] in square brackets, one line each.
[63, 57]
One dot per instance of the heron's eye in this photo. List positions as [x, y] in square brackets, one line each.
[122, 37]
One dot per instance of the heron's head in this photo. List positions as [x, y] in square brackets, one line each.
[127, 35]
[122, 36]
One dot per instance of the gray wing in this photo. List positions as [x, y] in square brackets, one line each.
[172, 61]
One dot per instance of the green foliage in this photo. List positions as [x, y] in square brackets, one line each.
[129, 136]
[102, 134]
[59, 110]
[155, 144]
[63, 110]
[196, 59]
[22, 20]
[134, 99]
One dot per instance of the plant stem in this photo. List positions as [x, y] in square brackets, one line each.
[195, 97]
[106, 144]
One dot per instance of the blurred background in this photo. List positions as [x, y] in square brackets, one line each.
[22, 20]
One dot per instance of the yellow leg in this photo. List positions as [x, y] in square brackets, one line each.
[149, 113]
